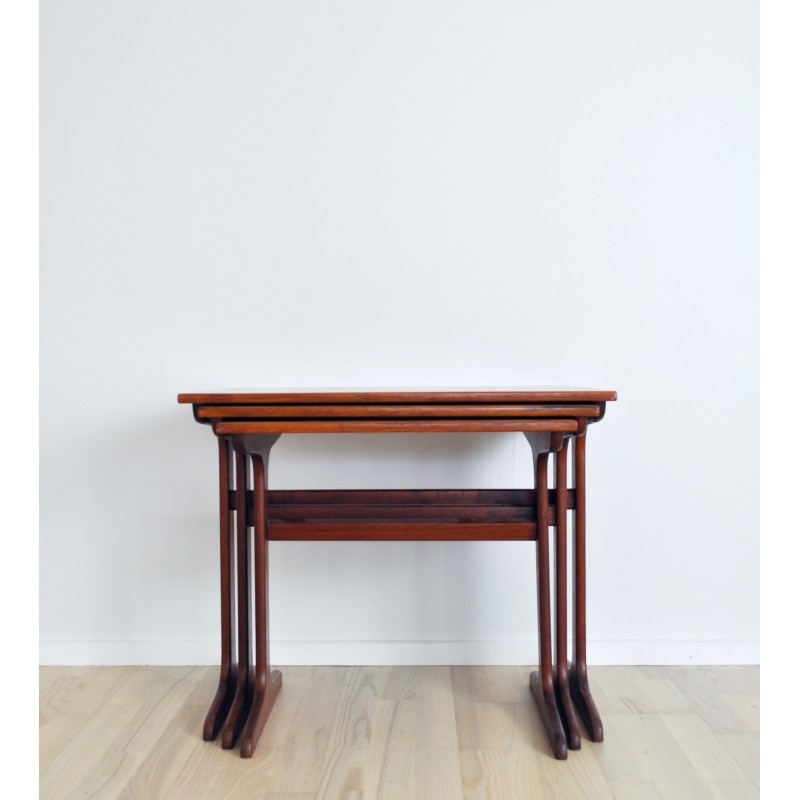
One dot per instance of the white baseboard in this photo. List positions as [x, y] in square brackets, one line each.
[344, 652]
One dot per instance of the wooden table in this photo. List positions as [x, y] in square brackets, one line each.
[248, 423]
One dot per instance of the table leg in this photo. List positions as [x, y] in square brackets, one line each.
[242, 698]
[542, 683]
[579, 677]
[567, 709]
[267, 683]
[220, 706]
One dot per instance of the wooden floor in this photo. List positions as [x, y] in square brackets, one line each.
[412, 733]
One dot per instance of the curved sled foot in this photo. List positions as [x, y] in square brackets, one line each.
[263, 701]
[569, 716]
[585, 706]
[548, 709]
[220, 706]
[238, 715]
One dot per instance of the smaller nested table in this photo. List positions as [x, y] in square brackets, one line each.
[247, 425]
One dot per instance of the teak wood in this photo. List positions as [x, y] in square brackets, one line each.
[249, 423]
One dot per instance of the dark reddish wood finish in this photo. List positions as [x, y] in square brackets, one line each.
[259, 427]
[466, 411]
[472, 498]
[221, 704]
[410, 531]
[414, 515]
[565, 706]
[542, 683]
[267, 683]
[579, 673]
[253, 421]
[240, 707]
[523, 394]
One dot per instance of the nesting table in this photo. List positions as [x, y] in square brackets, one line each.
[247, 424]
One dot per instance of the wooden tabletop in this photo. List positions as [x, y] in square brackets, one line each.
[304, 396]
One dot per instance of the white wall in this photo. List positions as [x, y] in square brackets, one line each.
[404, 193]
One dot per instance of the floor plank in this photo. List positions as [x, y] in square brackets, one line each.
[390, 733]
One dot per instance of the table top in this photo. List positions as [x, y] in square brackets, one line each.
[505, 394]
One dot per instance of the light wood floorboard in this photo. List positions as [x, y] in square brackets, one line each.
[397, 733]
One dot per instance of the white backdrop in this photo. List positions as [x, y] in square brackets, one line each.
[405, 193]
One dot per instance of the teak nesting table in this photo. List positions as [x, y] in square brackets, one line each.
[248, 423]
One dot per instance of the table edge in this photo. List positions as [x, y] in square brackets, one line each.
[398, 397]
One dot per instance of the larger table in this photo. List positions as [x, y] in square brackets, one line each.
[248, 423]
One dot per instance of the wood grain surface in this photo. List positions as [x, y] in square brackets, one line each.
[261, 427]
[429, 733]
[519, 394]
